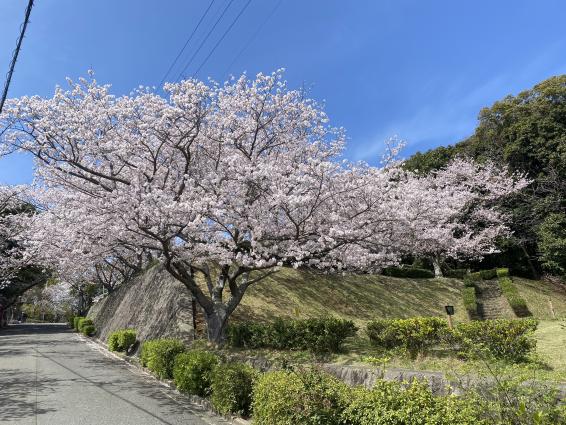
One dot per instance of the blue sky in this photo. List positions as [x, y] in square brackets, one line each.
[420, 70]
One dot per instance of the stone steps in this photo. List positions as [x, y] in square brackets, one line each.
[492, 304]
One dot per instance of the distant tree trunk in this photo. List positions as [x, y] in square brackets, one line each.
[436, 263]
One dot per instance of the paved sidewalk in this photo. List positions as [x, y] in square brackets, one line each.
[49, 376]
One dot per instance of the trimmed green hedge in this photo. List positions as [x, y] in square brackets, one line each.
[504, 339]
[192, 372]
[470, 301]
[316, 335]
[83, 321]
[316, 398]
[415, 335]
[232, 388]
[456, 273]
[503, 272]
[408, 272]
[158, 355]
[293, 398]
[122, 339]
[88, 330]
[516, 301]
[76, 321]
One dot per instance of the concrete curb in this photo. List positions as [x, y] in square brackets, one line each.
[196, 402]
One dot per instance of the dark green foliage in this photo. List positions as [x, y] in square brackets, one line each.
[408, 272]
[456, 273]
[388, 403]
[475, 277]
[469, 281]
[510, 340]
[527, 133]
[321, 335]
[470, 301]
[488, 274]
[192, 372]
[305, 397]
[83, 321]
[88, 330]
[552, 243]
[415, 335]
[76, 320]
[158, 355]
[71, 321]
[516, 301]
[232, 388]
[502, 272]
[121, 340]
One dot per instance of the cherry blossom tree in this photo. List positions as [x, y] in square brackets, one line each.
[223, 184]
[451, 213]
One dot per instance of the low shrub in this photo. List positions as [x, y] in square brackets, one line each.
[408, 272]
[158, 355]
[388, 402]
[192, 372]
[303, 397]
[503, 272]
[71, 321]
[320, 335]
[504, 339]
[488, 274]
[83, 321]
[456, 273]
[121, 340]
[76, 320]
[470, 301]
[475, 276]
[415, 335]
[88, 330]
[232, 388]
[469, 281]
[516, 301]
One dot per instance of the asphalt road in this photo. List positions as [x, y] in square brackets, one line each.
[48, 375]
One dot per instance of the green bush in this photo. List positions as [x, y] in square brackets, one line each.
[470, 301]
[192, 372]
[456, 273]
[504, 339]
[158, 355]
[121, 340]
[408, 272]
[88, 330]
[316, 335]
[76, 320]
[475, 276]
[388, 403]
[71, 321]
[503, 272]
[415, 335]
[83, 321]
[516, 301]
[469, 281]
[488, 274]
[232, 388]
[304, 397]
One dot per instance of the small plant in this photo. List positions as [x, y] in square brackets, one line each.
[158, 355]
[503, 272]
[192, 372]
[121, 340]
[232, 387]
[76, 321]
[83, 321]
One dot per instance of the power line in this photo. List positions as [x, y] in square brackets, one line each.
[15, 55]
[186, 43]
[223, 35]
[254, 36]
[205, 39]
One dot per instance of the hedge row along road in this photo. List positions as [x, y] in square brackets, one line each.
[50, 376]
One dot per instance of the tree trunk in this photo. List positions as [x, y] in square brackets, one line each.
[437, 269]
[216, 326]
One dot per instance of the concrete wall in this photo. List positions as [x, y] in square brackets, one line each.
[154, 304]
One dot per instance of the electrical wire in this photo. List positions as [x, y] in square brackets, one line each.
[254, 36]
[204, 40]
[15, 54]
[187, 42]
[223, 35]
